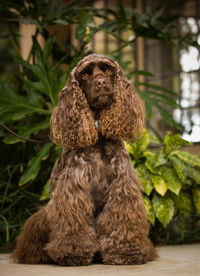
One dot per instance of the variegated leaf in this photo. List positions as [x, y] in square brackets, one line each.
[149, 209]
[172, 180]
[196, 198]
[145, 179]
[190, 159]
[193, 174]
[183, 203]
[163, 209]
[159, 184]
[179, 167]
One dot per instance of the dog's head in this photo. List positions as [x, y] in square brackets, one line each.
[97, 89]
[96, 75]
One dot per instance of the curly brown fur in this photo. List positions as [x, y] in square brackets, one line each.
[72, 121]
[31, 242]
[124, 119]
[96, 206]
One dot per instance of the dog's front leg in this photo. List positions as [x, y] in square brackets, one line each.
[70, 214]
[122, 226]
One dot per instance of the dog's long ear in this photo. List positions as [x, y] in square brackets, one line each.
[72, 122]
[124, 119]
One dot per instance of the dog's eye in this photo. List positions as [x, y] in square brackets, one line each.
[84, 76]
[108, 72]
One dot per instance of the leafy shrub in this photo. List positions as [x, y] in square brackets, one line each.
[171, 181]
[29, 94]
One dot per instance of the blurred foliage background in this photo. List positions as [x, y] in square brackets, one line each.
[28, 93]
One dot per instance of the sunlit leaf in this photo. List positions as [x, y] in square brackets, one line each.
[190, 159]
[163, 209]
[46, 191]
[196, 198]
[149, 209]
[150, 163]
[160, 158]
[183, 203]
[145, 179]
[179, 167]
[174, 142]
[139, 145]
[172, 180]
[153, 138]
[159, 184]
[193, 174]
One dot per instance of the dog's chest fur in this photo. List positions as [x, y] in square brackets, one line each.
[96, 163]
[101, 176]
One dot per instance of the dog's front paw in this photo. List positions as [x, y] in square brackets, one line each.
[130, 256]
[64, 252]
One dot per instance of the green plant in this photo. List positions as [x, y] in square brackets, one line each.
[170, 178]
[29, 94]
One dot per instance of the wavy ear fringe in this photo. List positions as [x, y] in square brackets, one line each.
[124, 119]
[72, 122]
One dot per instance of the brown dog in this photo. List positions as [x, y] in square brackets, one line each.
[96, 203]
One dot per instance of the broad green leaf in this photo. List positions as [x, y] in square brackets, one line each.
[172, 180]
[183, 203]
[16, 106]
[145, 179]
[129, 148]
[159, 184]
[150, 163]
[14, 114]
[190, 159]
[153, 139]
[149, 209]
[144, 140]
[44, 74]
[46, 191]
[26, 131]
[196, 198]
[36, 69]
[34, 165]
[179, 167]
[160, 158]
[139, 145]
[193, 174]
[174, 142]
[36, 85]
[163, 209]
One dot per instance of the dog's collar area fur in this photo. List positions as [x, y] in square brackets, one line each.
[97, 124]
